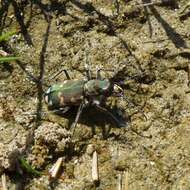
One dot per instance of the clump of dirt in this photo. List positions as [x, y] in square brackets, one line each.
[146, 46]
[50, 139]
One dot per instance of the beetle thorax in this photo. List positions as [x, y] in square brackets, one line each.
[97, 87]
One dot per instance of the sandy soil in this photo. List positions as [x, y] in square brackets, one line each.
[148, 49]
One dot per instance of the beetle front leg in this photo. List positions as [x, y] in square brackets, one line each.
[67, 74]
[98, 75]
[98, 70]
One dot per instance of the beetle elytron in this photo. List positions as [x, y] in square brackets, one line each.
[82, 93]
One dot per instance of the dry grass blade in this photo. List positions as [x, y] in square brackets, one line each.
[126, 180]
[95, 173]
[120, 182]
[6, 57]
[4, 182]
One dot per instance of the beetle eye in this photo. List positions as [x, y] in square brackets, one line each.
[46, 95]
[46, 98]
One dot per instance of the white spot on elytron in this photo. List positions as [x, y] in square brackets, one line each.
[62, 100]
[105, 88]
[46, 98]
[64, 82]
[48, 91]
[50, 103]
[59, 94]
[96, 102]
[73, 100]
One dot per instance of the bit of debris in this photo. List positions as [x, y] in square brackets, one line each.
[126, 180]
[4, 182]
[5, 57]
[54, 171]
[3, 53]
[120, 182]
[95, 173]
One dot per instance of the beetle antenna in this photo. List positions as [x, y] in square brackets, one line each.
[133, 104]
[86, 62]
[58, 73]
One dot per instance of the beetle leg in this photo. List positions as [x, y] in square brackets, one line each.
[67, 74]
[88, 73]
[98, 75]
[64, 109]
[56, 111]
[59, 72]
[86, 64]
[79, 111]
[110, 114]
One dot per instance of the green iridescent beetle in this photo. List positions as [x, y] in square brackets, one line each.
[82, 93]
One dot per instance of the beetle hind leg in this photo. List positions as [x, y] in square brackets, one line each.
[59, 72]
[79, 112]
[98, 72]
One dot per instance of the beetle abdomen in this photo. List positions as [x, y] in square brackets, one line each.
[70, 93]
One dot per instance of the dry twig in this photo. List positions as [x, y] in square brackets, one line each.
[95, 173]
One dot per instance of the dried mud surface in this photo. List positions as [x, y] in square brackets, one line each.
[148, 49]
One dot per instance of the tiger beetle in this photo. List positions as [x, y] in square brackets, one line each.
[82, 93]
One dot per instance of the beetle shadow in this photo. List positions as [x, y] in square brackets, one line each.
[20, 20]
[173, 35]
[184, 16]
[93, 118]
[3, 13]
[59, 8]
[111, 30]
[20, 12]
[6, 70]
